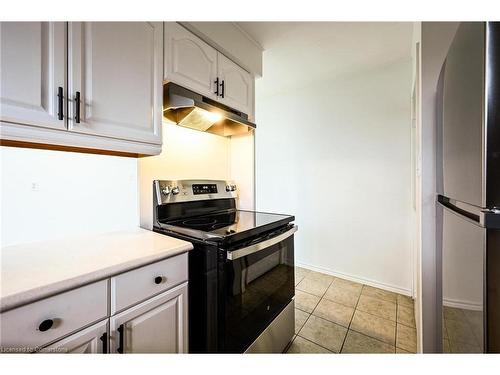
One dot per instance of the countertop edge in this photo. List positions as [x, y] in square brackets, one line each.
[32, 295]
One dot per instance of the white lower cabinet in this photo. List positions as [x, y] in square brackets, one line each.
[32, 326]
[138, 285]
[158, 325]
[152, 319]
[92, 340]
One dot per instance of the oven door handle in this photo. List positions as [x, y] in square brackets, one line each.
[244, 251]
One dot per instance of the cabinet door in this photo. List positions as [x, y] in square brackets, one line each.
[117, 69]
[158, 325]
[91, 340]
[238, 86]
[189, 61]
[32, 68]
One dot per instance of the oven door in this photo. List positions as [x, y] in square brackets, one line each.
[258, 283]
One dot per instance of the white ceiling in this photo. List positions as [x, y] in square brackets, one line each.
[296, 53]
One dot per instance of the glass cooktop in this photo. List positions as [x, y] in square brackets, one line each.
[228, 223]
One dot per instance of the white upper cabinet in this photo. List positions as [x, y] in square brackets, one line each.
[32, 68]
[116, 70]
[189, 61]
[237, 85]
[192, 63]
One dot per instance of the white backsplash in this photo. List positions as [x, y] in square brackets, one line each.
[51, 194]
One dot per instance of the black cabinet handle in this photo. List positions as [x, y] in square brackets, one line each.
[222, 85]
[60, 103]
[104, 339]
[46, 325]
[120, 339]
[216, 86]
[77, 107]
[158, 279]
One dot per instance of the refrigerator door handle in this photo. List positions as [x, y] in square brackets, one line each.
[449, 204]
[485, 218]
[490, 218]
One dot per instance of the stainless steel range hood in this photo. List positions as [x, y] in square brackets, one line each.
[189, 109]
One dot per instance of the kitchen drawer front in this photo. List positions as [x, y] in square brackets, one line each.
[22, 328]
[140, 284]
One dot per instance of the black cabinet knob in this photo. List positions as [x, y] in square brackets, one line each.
[46, 325]
[158, 279]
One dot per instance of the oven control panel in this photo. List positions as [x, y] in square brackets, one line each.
[175, 191]
[204, 189]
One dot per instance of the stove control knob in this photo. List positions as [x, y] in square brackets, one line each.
[228, 187]
[175, 190]
[233, 187]
[166, 190]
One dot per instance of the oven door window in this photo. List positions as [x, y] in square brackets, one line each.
[257, 287]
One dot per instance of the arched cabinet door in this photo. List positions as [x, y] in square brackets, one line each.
[237, 91]
[189, 61]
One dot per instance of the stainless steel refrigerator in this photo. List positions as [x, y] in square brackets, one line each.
[468, 187]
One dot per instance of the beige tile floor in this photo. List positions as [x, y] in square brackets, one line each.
[333, 315]
[462, 330]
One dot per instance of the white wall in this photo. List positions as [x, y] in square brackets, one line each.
[336, 154]
[192, 154]
[242, 168]
[53, 194]
[186, 154]
[50, 194]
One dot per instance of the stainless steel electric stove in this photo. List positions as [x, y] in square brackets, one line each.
[241, 271]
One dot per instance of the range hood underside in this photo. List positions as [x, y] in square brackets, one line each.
[189, 109]
[189, 118]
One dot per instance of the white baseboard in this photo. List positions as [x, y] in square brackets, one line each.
[361, 280]
[464, 305]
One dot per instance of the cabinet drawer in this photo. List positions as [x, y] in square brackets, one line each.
[23, 330]
[139, 284]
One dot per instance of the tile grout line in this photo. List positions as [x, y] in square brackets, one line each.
[377, 316]
[352, 317]
[397, 311]
[373, 338]
[320, 298]
[315, 343]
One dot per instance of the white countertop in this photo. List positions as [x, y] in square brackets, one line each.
[29, 272]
